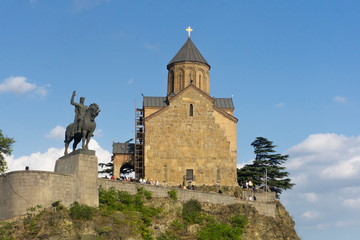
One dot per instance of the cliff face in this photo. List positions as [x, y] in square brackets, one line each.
[129, 223]
[259, 227]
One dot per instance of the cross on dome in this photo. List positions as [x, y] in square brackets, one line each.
[189, 30]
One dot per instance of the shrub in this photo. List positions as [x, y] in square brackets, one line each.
[239, 221]
[167, 236]
[218, 231]
[81, 211]
[104, 229]
[173, 194]
[112, 200]
[6, 229]
[215, 230]
[143, 193]
[191, 211]
[57, 205]
[32, 211]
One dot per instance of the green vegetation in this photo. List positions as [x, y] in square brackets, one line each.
[5, 149]
[81, 211]
[122, 215]
[6, 229]
[191, 211]
[220, 231]
[112, 201]
[173, 194]
[31, 220]
[266, 160]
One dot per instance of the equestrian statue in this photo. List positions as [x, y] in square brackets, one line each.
[84, 124]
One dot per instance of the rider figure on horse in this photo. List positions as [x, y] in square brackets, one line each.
[80, 109]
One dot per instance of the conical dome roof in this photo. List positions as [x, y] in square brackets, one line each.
[188, 53]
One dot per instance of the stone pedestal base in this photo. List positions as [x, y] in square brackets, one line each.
[83, 165]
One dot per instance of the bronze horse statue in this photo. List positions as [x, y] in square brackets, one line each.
[87, 129]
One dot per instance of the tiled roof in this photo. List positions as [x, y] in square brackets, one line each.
[190, 53]
[225, 103]
[155, 102]
[123, 147]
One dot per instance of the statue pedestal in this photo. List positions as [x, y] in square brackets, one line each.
[83, 165]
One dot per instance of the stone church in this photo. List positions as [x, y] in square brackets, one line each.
[186, 137]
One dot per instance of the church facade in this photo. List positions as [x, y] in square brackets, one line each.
[187, 136]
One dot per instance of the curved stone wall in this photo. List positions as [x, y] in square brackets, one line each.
[20, 190]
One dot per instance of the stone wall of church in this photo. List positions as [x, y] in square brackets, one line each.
[176, 142]
[150, 110]
[181, 74]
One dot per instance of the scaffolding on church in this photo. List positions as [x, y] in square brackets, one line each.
[139, 143]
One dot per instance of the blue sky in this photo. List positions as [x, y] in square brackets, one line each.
[292, 68]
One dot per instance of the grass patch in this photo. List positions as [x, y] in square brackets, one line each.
[191, 212]
[81, 211]
[6, 229]
[213, 230]
[173, 194]
[112, 200]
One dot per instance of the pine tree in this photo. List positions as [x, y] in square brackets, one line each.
[266, 159]
[5, 149]
[107, 168]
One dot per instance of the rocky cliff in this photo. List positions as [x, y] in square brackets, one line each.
[122, 216]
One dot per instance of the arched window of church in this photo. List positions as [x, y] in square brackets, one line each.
[191, 112]
[172, 83]
[200, 81]
[180, 83]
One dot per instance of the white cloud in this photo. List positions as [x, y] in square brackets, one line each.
[319, 143]
[57, 133]
[326, 170]
[36, 161]
[352, 203]
[300, 179]
[346, 168]
[20, 85]
[347, 223]
[310, 214]
[330, 155]
[339, 99]
[42, 91]
[16, 85]
[99, 133]
[46, 161]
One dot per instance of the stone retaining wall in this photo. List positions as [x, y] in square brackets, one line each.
[75, 179]
[20, 190]
[267, 209]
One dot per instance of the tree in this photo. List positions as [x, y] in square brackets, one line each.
[5, 149]
[266, 160]
[107, 167]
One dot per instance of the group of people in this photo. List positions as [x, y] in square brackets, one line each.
[249, 184]
[252, 198]
[141, 180]
[148, 181]
[190, 187]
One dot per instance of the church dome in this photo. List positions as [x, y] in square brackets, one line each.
[188, 53]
